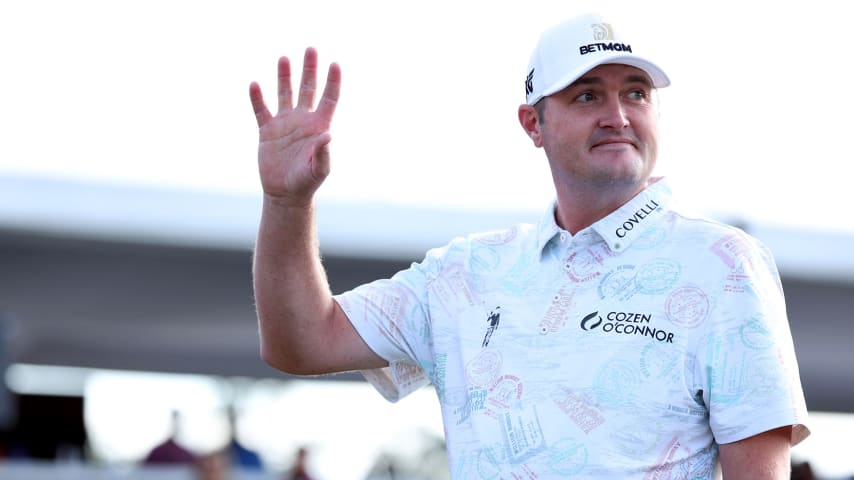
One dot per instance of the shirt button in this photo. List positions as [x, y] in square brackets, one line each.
[562, 237]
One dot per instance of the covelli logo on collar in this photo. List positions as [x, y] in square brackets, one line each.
[635, 219]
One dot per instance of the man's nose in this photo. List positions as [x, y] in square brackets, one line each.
[614, 114]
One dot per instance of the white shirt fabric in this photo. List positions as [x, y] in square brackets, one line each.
[629, 350]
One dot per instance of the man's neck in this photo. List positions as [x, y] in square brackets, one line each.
[579, 208]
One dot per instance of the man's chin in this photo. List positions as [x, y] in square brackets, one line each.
[628, 179]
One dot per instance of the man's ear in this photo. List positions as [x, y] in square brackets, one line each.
[529, 119]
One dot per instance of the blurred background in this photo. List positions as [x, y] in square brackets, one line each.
[129, 201]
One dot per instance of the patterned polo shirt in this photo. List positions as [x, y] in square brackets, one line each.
[629, 350]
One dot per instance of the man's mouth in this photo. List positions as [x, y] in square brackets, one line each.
[614, 143]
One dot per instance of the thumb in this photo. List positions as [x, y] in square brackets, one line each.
[321, 163]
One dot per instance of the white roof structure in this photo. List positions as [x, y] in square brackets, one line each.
[137, 214]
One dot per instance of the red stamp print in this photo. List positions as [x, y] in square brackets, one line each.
[687, 306]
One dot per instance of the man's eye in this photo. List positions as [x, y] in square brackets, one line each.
[638, 95]
[585, 97]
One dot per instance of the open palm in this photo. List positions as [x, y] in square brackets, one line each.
[293, 147]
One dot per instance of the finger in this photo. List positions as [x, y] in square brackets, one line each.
[308, 84]
[262, 115]
[286, 98]
[329, 99]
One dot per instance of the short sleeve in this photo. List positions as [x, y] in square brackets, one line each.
[392, 317]
[746, 363]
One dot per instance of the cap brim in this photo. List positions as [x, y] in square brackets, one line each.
[656, 74]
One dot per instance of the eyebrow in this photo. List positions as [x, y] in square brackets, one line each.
[598, 80]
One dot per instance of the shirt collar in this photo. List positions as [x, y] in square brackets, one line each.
[624, 225]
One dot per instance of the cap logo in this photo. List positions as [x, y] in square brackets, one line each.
[602, 34]
[529, 83]
[602, 31]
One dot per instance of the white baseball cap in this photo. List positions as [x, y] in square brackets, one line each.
[570, 49]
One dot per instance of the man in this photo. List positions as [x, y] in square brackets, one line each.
[617, 338]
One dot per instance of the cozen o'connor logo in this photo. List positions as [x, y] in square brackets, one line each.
[626, 323]
[591, 321]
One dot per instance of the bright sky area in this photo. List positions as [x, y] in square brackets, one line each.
[156, 93]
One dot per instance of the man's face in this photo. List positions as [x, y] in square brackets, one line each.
[602, 130]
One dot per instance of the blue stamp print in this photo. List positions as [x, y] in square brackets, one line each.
[616, 382]
[650, 238]
[475, 402]
[726, 367]
[523, 435]
[567, 457]
[658, 276]
[618, 283]
[521, 276]
[484, 258]
[660, 363]
[756, 335]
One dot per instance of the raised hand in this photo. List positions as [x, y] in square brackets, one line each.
[293, 145]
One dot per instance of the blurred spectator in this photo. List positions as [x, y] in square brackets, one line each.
[241, 457]
[802, 471]
[214, 466]
[299, 471]
[169, 451]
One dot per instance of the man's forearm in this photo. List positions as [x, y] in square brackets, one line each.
[765, 456]
[292, 293]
